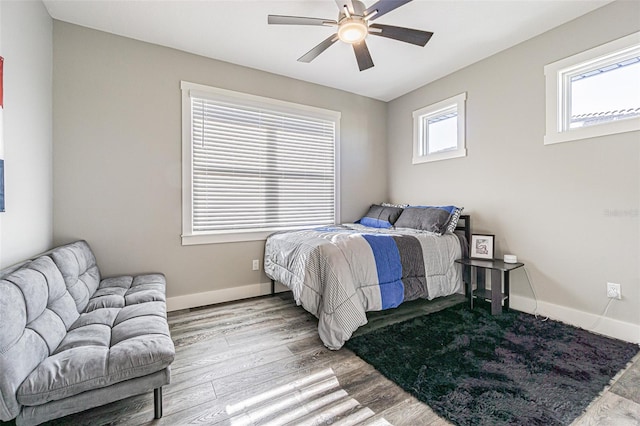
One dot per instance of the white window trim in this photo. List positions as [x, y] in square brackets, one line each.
[557, 75]
[188, 236]
[458, 102]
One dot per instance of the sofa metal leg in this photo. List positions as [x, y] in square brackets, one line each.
[157, 402]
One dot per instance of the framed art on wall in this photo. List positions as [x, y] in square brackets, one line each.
[482, 246]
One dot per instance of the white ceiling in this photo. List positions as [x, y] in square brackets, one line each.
[236, 31]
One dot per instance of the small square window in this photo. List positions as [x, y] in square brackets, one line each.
[438, 130]
[594, 93]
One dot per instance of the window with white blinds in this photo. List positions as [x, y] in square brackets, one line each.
[255, 165]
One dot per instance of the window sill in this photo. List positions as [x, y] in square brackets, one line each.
[440, 156]
[197, 239]
[233, 236]
[622, 126]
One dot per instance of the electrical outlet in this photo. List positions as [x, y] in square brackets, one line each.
[256, 265]
[614, 291]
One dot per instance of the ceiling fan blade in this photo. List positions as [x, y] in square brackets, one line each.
[298, 20]
[324, 45]
[342, 3]
[408, 35]
[362, 55]
[383, 7]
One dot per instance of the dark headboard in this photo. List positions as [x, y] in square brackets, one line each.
[465, 226]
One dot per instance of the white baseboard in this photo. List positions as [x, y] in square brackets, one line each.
[592, 322]
[219, 296]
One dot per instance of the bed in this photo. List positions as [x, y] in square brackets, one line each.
[340, 272]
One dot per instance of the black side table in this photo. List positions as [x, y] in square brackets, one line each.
[496, 295]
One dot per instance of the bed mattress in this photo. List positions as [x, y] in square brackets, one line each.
[339, 273]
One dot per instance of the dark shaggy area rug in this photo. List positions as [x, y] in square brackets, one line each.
[476, 369]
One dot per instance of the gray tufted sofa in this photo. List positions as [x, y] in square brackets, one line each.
[70, 341]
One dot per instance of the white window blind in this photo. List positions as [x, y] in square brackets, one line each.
[257, 168]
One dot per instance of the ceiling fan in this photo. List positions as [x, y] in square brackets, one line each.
[354, 24]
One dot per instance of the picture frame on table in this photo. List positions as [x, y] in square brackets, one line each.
[482, 246]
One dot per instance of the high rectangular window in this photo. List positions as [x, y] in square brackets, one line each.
[604, 94]
[253, 165]
[594, 93]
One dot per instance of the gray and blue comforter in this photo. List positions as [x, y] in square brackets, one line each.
[340, 272]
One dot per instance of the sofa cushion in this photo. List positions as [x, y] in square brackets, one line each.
[120, 291]
[35, 312]
[37, 414]
[79, 270]
[122, 334]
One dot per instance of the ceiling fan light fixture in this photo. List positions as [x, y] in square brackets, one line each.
[371, 15]
[354, 25]
[352, 31]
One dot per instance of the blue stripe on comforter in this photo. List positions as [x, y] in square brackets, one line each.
[389, 268]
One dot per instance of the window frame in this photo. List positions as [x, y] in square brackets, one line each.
[558, 91]
[420, 133]
[189, 237]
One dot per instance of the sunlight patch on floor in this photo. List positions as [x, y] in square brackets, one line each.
[312, 400]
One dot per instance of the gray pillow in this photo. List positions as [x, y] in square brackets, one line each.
[380, 217]
[434, 219]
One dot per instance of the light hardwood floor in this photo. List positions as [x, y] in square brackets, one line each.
[260, 360]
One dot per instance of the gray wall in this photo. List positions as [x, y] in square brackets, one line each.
[25, 145]
[117, 154]
[570, 210]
